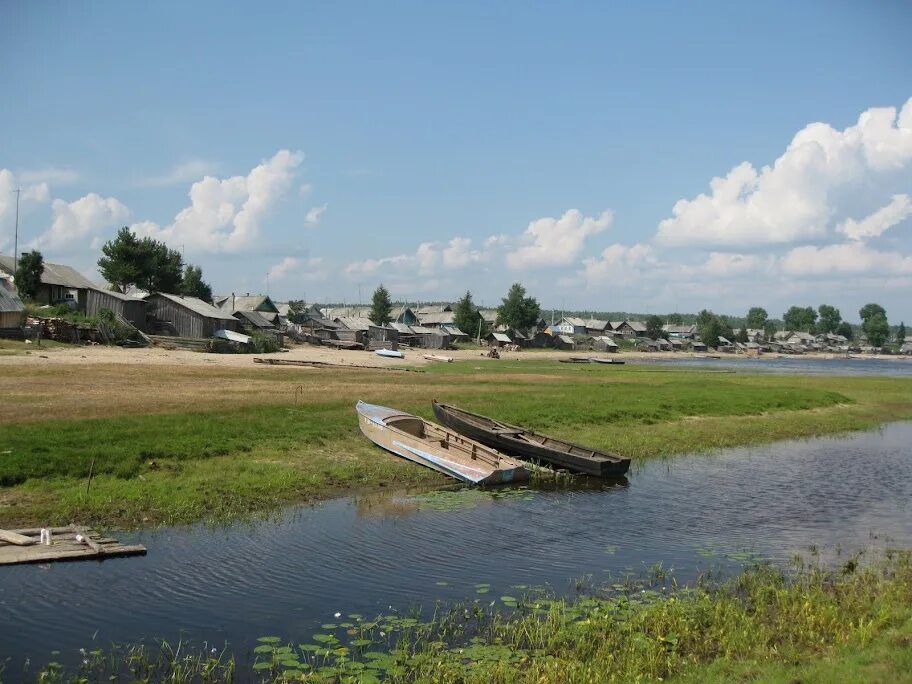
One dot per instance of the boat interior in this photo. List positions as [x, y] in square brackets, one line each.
[411, 425]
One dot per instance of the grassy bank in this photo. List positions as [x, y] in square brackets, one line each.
[807, 625]
[169, 444]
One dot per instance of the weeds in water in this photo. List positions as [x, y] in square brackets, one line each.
[630, 630]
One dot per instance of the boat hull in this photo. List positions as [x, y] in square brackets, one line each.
[525, 444]
[444, 451]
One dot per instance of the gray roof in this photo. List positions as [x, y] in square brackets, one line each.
[354, 323]
[246, 302]
[53, 274]
[574, 321]
[402, 328]
[500, 337]
[9, 300]
[255, 318]
[637, 326]
[565, 339]
[454, 331]
[437, 318]
[117, 295]
[597, 324]
[433, 308]
[197, 306]
[332, 313]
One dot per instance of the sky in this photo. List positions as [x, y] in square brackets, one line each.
[649, 157]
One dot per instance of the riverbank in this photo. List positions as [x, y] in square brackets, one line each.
[850, 623]
[173, 443]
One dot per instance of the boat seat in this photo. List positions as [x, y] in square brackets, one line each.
[508, 431]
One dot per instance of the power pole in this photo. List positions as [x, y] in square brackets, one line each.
[16, 238]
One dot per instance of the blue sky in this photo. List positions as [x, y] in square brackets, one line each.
[439, 147]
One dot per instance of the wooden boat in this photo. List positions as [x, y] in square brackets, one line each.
[530, 445]
[613, 362]
[575, 359]
[436, 447]
[439, 357]
[390, 353]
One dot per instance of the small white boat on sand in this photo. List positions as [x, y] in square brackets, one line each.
[439, 357]
[437, 447]
[390, 353]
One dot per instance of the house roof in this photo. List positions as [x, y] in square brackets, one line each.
[437, 318]
[402, 328]
[500, 337]
[255, 318]
[566, 339]
[679, 329]
[423, 330]
[117, 295]
[597, 324]
[724, 340]
[53, 274]
[488, 315]
[607, 340]
[354, 322]
[332, 313]
[247, 302]
[197, 306]
[574, 321]
[433, 308]
[637, 326]
[615, 324]
[454, 331]
[9, 300]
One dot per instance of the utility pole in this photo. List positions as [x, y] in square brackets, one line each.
[16, 238]
[267, 283]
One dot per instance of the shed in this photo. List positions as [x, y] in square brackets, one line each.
[496, 339]
[12, 310]
[456, 335]
[187, 316]
[542, 340]
[132, 309]
[564, 342]
[604, 343]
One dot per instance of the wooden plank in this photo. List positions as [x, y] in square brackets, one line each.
[16, 538]
[77, 552]
[98, 548]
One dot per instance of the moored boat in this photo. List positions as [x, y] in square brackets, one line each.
[528, 444]
[437, 447]
[390, 353]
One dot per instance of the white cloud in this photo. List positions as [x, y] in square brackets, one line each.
[615, 263]
[898, 210]
[315, 214]
[557, 242]
[52, 175]
[185, 172]
[301, 269]
[305, 189]
[459, 253]
[847, 258]
[726, 264]
[82, 219]
[31, 195]
[224, 215]
[805, 191]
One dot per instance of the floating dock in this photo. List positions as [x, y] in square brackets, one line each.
[25, 546]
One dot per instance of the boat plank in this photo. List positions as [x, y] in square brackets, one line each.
[16, 538]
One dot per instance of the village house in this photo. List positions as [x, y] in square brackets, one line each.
[570, 325]
[680, 332]
[604, 343]
[404, 314]
[629, 328]
[496, 339]
[61, 284]
[12, 310]
[436, 319]
[187, 316]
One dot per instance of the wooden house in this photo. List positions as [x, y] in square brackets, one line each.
[542, 340]
[564, 342]
[12, 310]
[131, 309]
[604, 343]
[186, 316]
[496, 339]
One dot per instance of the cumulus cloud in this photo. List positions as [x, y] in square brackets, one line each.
[849, 258]
[224, 214]
[458, 253]
[557, 242]
[300, 269]
[185, 172]
[727, 264]
[898, 210]
[428, 258]
[805, 192]
[617, 262]
[81, 220]
[31, 195]
[315, 214]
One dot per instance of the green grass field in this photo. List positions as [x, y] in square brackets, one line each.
[174, 444]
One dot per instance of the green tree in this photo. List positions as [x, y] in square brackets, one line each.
[874, 324]
[710, 331]
[800, 319]
[845, 329]
[28, 274]
[381, 306]
[296, 309]
[466, 316]
[757, 318]
[193, 285]
[770, 329]
[653, 327]
[517, 310]
[901, 332]
[674, 319]
[742, 335]
[869, 310]
[830, 318]
[877, 329]
[147, 264]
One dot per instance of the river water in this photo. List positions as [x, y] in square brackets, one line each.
[366, 554]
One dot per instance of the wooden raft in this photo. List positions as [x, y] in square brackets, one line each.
[22, 546]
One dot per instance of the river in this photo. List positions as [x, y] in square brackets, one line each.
[366, 554]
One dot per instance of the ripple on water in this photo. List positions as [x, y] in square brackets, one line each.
[366, 554]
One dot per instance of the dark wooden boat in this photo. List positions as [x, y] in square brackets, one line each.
[527, 444]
